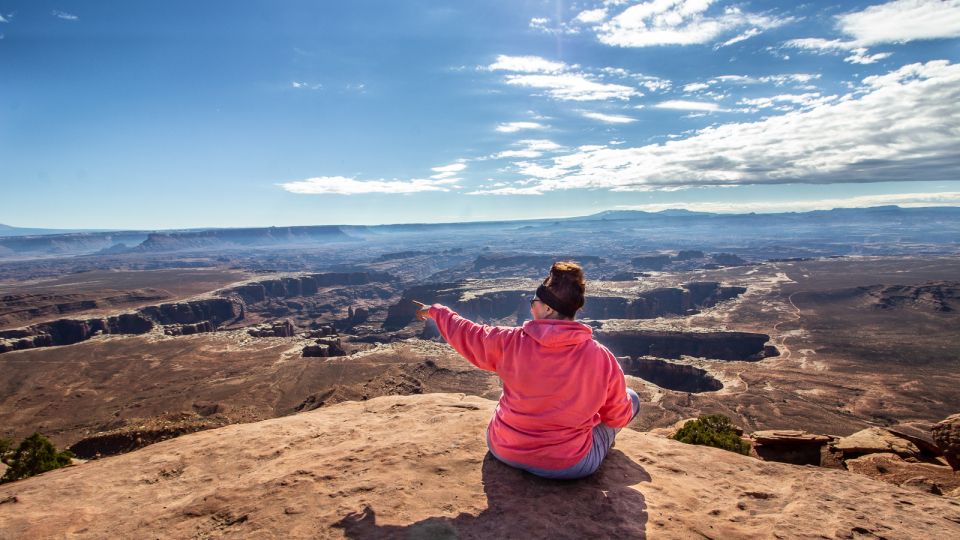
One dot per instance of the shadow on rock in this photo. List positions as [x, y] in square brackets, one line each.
[521, 505]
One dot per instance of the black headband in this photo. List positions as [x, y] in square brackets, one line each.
[547, 297]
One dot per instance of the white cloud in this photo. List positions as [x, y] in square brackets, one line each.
[906, 200]
[513, 127]
[453, 167]
[567, 82]
[693, 87]
[591, 16]
[797, 79]
[573, 87]
[307, 86]
[677, 22]
[820, 44]
[340, 185]
[64, 15]
[901, 21]
[900, 126]
[543, 145]
[526, 64]
[2, 19]
[543, 24]
[528, 149]
[742, 37]
[510, 190]
[608, 118]
[860, 56]
[684, 105]
[786, 102]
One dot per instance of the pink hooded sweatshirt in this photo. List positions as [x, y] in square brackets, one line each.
[558, 383]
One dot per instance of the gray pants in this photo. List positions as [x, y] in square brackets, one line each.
[603, 436]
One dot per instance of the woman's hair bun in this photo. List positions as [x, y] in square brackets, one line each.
[566, 281]
[567, 271]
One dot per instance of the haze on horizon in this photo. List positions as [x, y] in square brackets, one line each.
[177, 114]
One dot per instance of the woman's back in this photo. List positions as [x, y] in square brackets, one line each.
[558, 384]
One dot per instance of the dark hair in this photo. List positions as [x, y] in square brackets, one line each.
[568, 285]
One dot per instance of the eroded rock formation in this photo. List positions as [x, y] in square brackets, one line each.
[282, 328]
[746, 346]
[790, 446]
[678, 377]
[178, 319]
[515, 303]
[947, 436]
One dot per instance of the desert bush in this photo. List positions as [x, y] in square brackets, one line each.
[713, 430]
[34, 455]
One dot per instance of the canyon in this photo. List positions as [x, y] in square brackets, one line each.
[127, 350]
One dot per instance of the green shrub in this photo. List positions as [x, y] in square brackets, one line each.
[34, 455]
[713, 430]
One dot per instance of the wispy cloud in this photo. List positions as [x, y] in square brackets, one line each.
[685, 105]
[528, 149]
[693, 87]
[608, 118]
[680, 22]
[901, 126]
[901, 21]
[447, 171]
[896, 22]
[906, 200]
[573, 87]
[513, 127]
[558, 80]
[857, 54]
[798, 80]
[453, 167]
[340, 185]
[742, 37]
[526, 64]
[64, 15]
[591, 16]
[305, 86]
[787, 102]
[860, 56]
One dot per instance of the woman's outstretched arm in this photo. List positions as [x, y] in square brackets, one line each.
[480, 344]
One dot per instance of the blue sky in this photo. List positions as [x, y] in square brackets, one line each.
[118, 114]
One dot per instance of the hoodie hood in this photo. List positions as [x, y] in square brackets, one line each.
[553, 333]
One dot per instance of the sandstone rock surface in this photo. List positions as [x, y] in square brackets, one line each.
[788, 437]
[876, 440]
[417, 467]
[947, 436]
[891, 468]
[919, 433]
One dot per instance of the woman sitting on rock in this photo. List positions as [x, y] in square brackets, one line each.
[564, 395]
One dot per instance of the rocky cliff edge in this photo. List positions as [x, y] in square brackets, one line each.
[418, 467]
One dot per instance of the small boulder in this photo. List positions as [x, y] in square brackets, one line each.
[920, 483]
[789, 446]
[789, 437]
[947, 436]
[893, 469]
[875, 440]
[919, 434]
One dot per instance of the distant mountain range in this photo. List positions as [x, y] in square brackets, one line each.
[932, 225]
